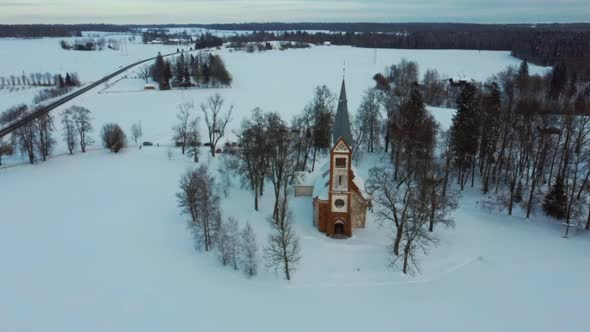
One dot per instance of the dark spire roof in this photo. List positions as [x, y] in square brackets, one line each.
[342, 121]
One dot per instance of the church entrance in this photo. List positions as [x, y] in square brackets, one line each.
[339, 230]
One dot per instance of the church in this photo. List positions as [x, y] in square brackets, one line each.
[340, 200]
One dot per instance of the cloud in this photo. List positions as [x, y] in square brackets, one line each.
[225, 11]
[17, 4]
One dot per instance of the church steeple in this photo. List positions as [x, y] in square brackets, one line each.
[342, 121]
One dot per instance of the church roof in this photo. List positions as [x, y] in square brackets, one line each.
[342, 120]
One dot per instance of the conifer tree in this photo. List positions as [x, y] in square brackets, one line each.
[523, 75]
[555, 202]
[465, 132]
[517, 197]
[158, 68]
[179, 70]
[166, 76]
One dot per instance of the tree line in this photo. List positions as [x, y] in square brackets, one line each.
[545, 47]
[90, 44]
[55, 30]
[36, 139]
[522, 138]
[40, 79]
[266, 153]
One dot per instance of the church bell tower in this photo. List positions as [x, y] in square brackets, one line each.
[341, 169]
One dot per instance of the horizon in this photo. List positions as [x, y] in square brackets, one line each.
[145, 12]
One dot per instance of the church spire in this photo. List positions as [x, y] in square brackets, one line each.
[342, 121]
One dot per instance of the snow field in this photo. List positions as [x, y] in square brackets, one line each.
[95, 241]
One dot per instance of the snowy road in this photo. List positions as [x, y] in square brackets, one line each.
[42, 111]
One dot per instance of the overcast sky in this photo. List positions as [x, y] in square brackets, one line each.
[229, 11]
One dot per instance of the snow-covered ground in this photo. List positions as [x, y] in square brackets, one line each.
[281, 81]
[95, 241]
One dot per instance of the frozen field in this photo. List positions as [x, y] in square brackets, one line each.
[281, 81]
[95, 242]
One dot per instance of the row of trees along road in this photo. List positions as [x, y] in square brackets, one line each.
[36, 140]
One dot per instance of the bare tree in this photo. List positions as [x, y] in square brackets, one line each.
[250, 161]
[5, 149]
[145, 73]
[26, 137]
[181, 129]
[44, 140]
[282, 251]
[136, 132]
[215, 119]
[303, 137]
[69, 129]
[231, 242]
[434, 88]
[416, 238]
[439, 202]
[322, 114]
[280, 155]
[83, 124]
[248, 251]
[198, 199]
[224, 176]
[392, 198]
[193, 140]
[369, 119]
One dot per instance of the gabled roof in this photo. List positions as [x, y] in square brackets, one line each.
[340, 145]
[342, 120]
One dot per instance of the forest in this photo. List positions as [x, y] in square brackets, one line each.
[541, 44]
[546, 48]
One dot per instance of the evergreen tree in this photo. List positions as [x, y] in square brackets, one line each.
[558, 81]
[523, 75]
[555, 202]
[166, 76]
[158, 69]
[179, 70]
[68, 80]
[418, 131]
[205, 72]
[465, 132]
[517, 197]
[218, 71]
[61, 82]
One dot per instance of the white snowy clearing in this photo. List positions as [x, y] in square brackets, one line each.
[95, 242]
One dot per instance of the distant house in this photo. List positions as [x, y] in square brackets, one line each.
[327, 43]
[457, 83]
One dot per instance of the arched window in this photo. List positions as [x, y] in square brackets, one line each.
[339, 203]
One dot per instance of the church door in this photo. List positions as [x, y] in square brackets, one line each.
[339, 228]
